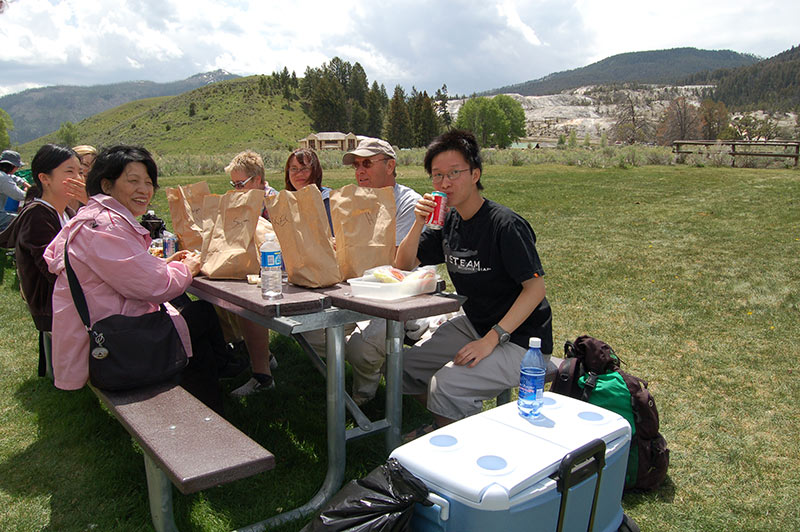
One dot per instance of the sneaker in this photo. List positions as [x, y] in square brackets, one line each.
[273, 362]
[253, 386]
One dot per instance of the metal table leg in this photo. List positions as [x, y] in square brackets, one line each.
[394, 382]
[336, 435]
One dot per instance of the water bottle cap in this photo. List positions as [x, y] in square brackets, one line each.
[535, 342]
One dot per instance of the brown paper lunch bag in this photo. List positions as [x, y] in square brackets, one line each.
[301, 224]
[207, 217]
[230, 252]
[185, 203]
[364, 225]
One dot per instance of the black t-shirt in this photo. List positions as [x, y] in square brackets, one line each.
[488, 257]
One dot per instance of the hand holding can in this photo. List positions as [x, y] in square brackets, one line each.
[436, 218]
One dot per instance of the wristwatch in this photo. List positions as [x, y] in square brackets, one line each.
[503, 335]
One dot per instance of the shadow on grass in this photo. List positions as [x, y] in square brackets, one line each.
[665, 494]
[86, 465]
[81, 461]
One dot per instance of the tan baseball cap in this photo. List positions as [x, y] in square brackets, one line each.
[368, 147]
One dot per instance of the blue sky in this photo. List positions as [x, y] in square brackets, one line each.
[470, 45]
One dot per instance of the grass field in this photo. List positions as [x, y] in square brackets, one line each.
[689, 273]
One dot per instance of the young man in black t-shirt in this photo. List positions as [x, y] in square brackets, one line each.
[491, 257]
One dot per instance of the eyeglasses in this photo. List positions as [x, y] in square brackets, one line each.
[368, 163]
[298, 169]
[241, 184]
[452, 175]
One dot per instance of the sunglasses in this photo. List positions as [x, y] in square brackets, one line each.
[368, 163]
[241, 184]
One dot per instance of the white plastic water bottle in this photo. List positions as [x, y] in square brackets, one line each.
[531, 381]
[271, 261]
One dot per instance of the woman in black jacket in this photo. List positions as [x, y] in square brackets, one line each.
[39, 221]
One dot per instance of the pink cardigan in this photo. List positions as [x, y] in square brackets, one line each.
[108, 251]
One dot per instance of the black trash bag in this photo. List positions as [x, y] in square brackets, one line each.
[383, 501]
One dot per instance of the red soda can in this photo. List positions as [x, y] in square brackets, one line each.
[436, 218]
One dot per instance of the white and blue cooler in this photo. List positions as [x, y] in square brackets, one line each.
[499, 471]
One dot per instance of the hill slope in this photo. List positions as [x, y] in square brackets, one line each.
[37, 112]
[221, 118]
[658, 66]
[770, 84]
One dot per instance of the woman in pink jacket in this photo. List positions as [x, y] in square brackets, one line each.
[108, 251]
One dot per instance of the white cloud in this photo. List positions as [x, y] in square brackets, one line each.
[508, 10]
[471, 45]
[620, 26]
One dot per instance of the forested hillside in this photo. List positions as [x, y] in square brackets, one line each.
[772, 84]
[658, 66]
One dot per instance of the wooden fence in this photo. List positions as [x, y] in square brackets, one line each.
[748, 148]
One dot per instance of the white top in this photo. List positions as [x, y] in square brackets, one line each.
[405, 199]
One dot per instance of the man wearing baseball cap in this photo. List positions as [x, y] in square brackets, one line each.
[375, 162]
[11, 186]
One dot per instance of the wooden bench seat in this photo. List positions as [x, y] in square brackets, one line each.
[185, 443]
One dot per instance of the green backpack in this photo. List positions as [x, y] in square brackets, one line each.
[590, 372]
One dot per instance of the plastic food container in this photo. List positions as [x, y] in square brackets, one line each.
[369, 286]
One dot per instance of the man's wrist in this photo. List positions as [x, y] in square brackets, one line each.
[503, 336]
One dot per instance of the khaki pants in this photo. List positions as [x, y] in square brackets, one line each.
[456, 392]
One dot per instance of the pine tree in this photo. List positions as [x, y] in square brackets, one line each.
[424, 120]
[358, 88]
[398, 126]
[374, 112]
[341, 70]
[328, 109]
[6, 125]
[359, 118]
[441, 106]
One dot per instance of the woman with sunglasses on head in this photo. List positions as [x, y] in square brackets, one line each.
[246, 171]
[38, 222]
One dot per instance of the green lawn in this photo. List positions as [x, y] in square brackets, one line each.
[689, 273]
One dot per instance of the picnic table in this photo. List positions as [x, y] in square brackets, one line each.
[301, 310]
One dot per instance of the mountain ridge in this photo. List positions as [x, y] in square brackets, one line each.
[39, 111]
[665, 67]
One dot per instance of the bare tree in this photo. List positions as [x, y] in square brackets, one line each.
[631, 126]
[681, 121]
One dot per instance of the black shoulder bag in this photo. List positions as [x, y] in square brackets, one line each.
[127, 352]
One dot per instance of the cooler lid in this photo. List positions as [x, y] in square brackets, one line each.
[567, 422]
[479, 455]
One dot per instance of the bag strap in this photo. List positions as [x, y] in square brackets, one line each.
[75, 288]
[589, 385]
[569, 349]
[78, 296]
